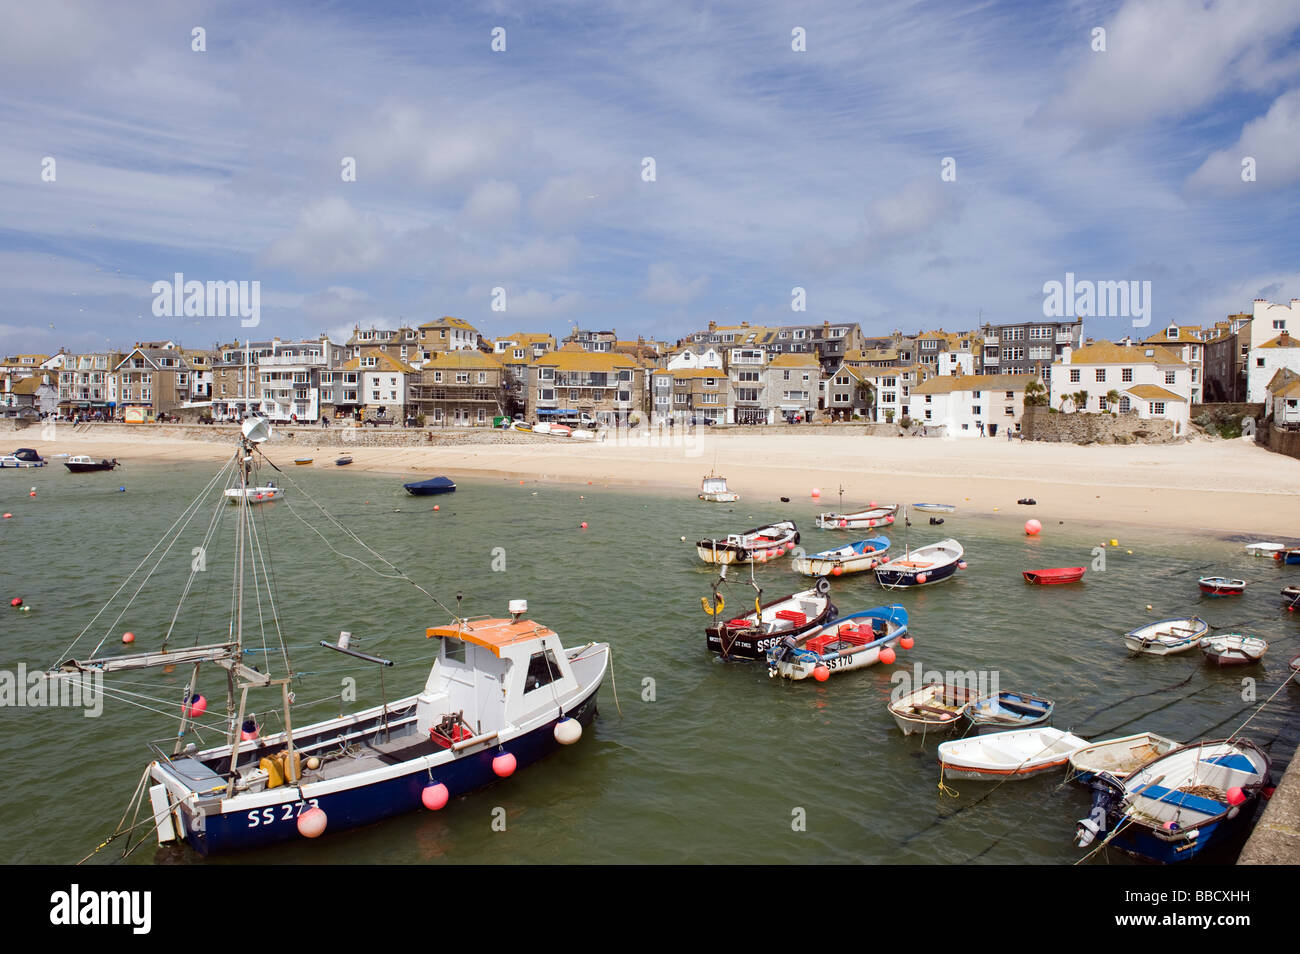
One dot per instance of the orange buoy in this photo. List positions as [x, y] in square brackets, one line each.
[1033, 527]
[887, 656]
[437, 507]
[583, 525]
[921, 577]
[16, 601]
[821, 673]
[837, 570]
[907, 642]
[196, 706]
[128, 637]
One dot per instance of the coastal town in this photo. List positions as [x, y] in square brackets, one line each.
[446, 373]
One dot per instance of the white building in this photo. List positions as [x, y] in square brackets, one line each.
[956, 362]
[1272, 345]
[700, 356]
[1148, 379]
[971, 405]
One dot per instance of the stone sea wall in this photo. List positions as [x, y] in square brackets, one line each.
[1040, 424]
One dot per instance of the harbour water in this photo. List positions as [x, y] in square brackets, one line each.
[707, 761]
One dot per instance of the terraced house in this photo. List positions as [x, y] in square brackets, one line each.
[460, 389]
[971, 405]
[607, 385]
[449, 334]
[1147, 380]
[152, 381]
[87, 384]
[382, 383]
[686, 394]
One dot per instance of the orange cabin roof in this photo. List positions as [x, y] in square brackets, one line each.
[491, 633]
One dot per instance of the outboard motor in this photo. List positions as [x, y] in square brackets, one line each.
[779, 653]
[1107, 808]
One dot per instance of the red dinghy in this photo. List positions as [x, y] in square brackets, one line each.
[1059, 574]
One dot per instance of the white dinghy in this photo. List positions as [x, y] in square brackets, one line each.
[1118, 758]
[1167, 636]
[1017, 754]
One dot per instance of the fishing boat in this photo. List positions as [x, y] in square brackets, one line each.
[1167, 636]
[254, 495]
[22, 457]
[858, 519]
[430, 487]
[1054, 576]
[713, 488]
[1221, 586]
[1008, 756]
[761, 544]
[752, 635]
[923, 566]
[850, 558]
[452, 736]
[850, 642]
[343, 461]
[934, 507]
[302, 461]
[1290, 555]
[1182, 803]
[1233, 649]
[1291, 596]
[932, 709]
[81, 464]
[1264, 549]
[999, 711]
[1118, 758]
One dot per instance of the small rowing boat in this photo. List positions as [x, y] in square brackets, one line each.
[1118, 758]
[302, 461]
[1167, 636]
[1221, 586]
[999, 711]
[1054, 576]
[933, 709]
[855, 641]
[934, 507]
[759, 544]
[1233, 649]
[1008, 756]
[1291, 594]
[343, 461]
[1290, 555]
[850, 558]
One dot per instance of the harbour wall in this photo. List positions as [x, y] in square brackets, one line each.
[1041, 424]
[1276, 838]
[1278, 440]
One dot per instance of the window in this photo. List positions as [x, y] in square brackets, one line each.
[482, 377]
[625, 396]
[546, 394]
[1101, 374]
[1013, 354]
[1279, 325]
[437, 377]
[1010, 411]
[1126, 375]
[977, 410]
[1170, 377]
[927, 415]
[1259, 362]
[1125, 405]
[1010, 395]
[573, 394]
[975, 394]
[1075, 376]
[1015, 334]
[927, 401]
[1158, 408]
[1040, 331]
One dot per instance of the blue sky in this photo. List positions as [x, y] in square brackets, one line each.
[522, 169]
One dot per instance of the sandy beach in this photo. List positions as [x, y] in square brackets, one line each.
[1224, 486]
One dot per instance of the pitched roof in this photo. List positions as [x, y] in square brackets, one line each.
[579, 360]
[1187, 334]
[1104, 352]
[385, 362]
[795, 359]
[28, 385]
[1283, 340]
[448, 321]
[947, 383]
[1153, 392]
[464, 358]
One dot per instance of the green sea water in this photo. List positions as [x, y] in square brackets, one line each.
[691, 759]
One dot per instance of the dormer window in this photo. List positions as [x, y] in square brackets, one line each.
[1172, 332]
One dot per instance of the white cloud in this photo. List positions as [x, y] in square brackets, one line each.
[492, 205]
[1272, 140]
[666, 287]
[330, 236]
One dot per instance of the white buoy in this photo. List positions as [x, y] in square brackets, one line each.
[312, 822]
[568, 731]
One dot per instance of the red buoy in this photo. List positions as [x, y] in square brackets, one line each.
[504, 765]
[16, 601]
[887, 656]
[128, 637]
[821, 673]
[907, 642]
[434, 796]
[311, 823]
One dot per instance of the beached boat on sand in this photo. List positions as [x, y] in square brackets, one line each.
[1167, 636]
[1179, 804]
[932, 709]
[759, 544]
[750, 636]
[1054, 576]
[850, 642]
[1008, 756]
[713, 488]
[851, 558]
[1233, 649]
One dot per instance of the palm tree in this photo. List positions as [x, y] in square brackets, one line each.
[1035, 394]
[1080, 400]
[1112, 400]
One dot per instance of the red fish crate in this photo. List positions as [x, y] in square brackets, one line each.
[845, 636]
[458, 733]
[793, 616]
